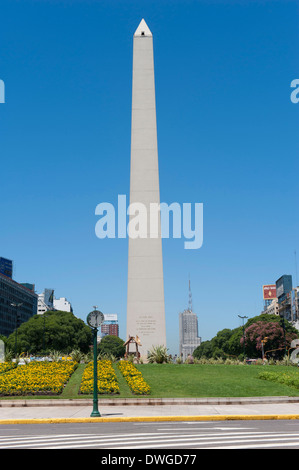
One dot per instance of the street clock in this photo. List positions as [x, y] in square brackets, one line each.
[95, 318]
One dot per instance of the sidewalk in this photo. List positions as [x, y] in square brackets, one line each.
[112, 410]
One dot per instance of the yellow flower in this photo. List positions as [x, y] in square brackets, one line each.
[134, 378]
[107, 380]
[36, 378]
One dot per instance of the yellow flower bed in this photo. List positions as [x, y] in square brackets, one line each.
[134, 378]
[36, 378]
[107, 380]
[5, 366]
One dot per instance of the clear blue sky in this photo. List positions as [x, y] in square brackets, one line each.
[227, 137]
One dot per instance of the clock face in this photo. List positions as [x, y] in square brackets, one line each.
[95, 318]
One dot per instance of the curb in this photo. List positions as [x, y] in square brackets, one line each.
[149, 419]
[148, 401]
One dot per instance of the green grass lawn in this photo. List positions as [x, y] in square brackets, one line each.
[195, 380]
[204, 380]
[190, 381]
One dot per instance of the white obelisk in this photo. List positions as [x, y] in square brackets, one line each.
[145, 302]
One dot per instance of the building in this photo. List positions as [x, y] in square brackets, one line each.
[295, 306]
[286, 301]
[110, 329]
[189, 339]
[145, 300]
[62, 304]
[45, 301]
[28, 285]
[270, 300]
[17, 304]
[110, 325]
[269, 293]
[283, 292]
[188, 330]
[283, 287]
[6, 267]
[272, 308]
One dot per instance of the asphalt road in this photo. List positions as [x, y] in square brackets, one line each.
[138, 440]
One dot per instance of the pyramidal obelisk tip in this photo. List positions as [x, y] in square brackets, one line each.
[143, 29]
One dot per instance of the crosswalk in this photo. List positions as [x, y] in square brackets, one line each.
[166, 439]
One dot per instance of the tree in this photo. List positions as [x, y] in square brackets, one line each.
[3, 338]
[265, 317]
[226, 343]
[235, 346]
[273, 333]
[221, 343]
[204, 350]
[230, 342]
[112, 345]
[60, 331]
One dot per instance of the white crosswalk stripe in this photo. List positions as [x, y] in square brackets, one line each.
[38, 441]
[215, 439]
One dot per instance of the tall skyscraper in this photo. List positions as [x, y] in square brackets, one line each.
[188, 330]
[145, 302]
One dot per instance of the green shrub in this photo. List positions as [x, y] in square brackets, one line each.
[158, 354]
[287, 378]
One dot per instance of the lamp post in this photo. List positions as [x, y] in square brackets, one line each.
[16, 305]
[95, 410]
[94, 320]
[243, 333]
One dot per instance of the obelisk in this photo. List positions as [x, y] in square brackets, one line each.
[145, 302]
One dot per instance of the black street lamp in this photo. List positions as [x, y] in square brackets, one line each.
[243, 333]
